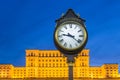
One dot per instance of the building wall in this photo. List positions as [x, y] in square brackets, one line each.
[111, 70]
[19, 72]
[6, 70]
[96, 72]
[52, 64]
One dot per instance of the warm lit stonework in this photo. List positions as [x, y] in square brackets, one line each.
[52, 64]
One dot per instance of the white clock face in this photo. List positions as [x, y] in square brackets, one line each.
[70, 36]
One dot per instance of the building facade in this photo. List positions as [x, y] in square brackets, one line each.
[52, 64]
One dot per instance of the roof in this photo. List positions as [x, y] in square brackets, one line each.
[70, 14]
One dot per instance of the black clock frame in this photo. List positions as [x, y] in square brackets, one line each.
[67, 20]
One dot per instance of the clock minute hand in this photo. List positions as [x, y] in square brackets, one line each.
[77, 40]
[74, 38]
[69, 35]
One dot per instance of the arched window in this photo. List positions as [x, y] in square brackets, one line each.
[82, 53]
[42, 54]
[31, 54]
[56, 54]
[39, 54]
[53, 55]
[49, 55]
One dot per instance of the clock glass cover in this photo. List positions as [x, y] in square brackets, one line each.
[70, 36]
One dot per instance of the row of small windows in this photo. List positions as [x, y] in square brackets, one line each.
[95, 70]
[83, 59]
[46, 54]
[49, 65]
[53, 64]
[111, 73]
[82, 64]
[5, 67]
[19, 73]
[83, 75]
[19, 76]
[5, 70]
[42, 60]
[83, 54]
[19, 70]
[51, 54]
[4, 76]
[110, 70]
[4, 73]
[110, 67]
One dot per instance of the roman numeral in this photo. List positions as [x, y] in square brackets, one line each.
[61, 31]
[70, 46]
[79, 41]
[59, 35]
[65, 44]
[79, 30]
[76, 44]
[81, 36]
[65, 27]
[75, 27]
[61, 40]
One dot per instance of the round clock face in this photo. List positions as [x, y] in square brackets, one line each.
[70, 36]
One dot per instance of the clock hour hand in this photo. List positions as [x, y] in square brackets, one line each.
[69, 35]
[64, 34]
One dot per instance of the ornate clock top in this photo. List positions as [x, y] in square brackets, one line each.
[70, 14]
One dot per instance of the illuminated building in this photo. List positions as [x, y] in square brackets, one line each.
[52, 64]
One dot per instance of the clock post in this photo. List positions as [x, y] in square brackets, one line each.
[70, 59]
[70, 37]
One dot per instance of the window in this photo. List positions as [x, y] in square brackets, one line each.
[60, 65]
[49, 55]
[56, 65]
[53, 55]
[46, 54]
[39, 54]
[31, 54]
[42, 65]
[42, 54]
[53, 65]
[46, 65]
[56, 54]
[82, 53]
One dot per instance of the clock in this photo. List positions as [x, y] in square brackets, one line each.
[70, 37]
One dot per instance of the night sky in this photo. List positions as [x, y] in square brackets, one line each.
[29, 24]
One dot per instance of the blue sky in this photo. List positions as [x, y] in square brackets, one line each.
[29, 24]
